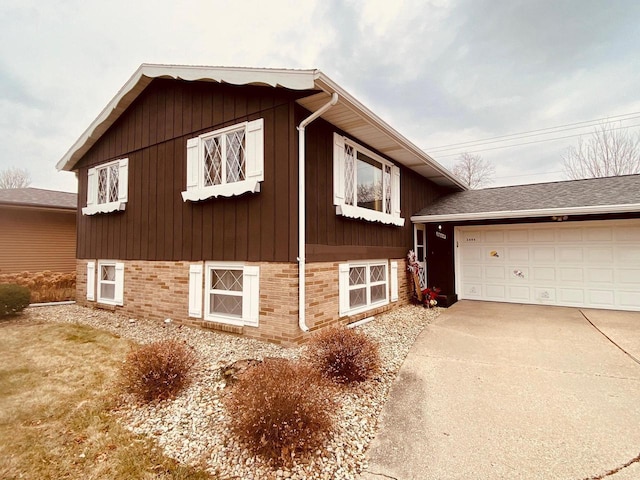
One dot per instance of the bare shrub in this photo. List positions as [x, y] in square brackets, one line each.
[157, 371]
[344, 355]
[280, 409]
[45, 286]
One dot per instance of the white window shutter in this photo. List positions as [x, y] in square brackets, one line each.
[255, 150]
[119, 293]
[123, 180]
[91, 281]
[92, 187]
[343, 287]
[251, 295]
[195, 291]
[193, 163]
[395, 191]
[338, 169]
[394, 281]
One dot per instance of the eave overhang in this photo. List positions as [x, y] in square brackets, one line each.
[546, 212]
[349, 114]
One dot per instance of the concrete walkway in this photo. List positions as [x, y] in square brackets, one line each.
[505, 391]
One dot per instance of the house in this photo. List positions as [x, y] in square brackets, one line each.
[262, 202]
[38, 230]
[573, 243]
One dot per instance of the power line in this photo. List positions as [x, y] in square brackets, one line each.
[584, 124]
[530, 143]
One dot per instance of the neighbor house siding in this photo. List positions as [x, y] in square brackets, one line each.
[157, 224]
[334, 237]
[37, 240]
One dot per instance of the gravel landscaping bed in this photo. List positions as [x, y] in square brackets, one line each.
[192, 428]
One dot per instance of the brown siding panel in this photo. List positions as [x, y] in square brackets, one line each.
[37, 240]
[157, 224]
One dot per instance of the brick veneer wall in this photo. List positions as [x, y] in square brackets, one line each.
[159, 290]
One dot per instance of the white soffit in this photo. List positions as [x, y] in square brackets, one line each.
[349, 115]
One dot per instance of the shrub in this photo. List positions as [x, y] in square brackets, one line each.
[157, 371]
[13, 299]
[344, 355]
[280, 409]
[45, 286]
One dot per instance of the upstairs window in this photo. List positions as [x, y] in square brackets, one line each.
[366, 186]
[225, 162]
[107, 186]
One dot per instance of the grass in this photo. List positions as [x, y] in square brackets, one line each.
[56, 392]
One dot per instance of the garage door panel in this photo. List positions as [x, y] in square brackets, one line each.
[495, 292]
[544, 235]
[517, 236]
[600, 275]
[628, 254]
[494, 273]
[629, 276]
[543, 254]
[473, 254]
[494, 237]
[570, 235]
[629, 299]
[518, 254]
[545, 295]
[599, 234]
[571, 295]
[544, 274]
[472, 273]
[518, 273]
[571, 274]
[599, 255]
[627, 233]
[602, 298]
[519, 293]
[570, 254]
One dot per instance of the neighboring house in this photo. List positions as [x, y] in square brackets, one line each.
[231, 197]
[37, 230]
[574, 243]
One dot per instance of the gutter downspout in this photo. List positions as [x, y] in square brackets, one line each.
[302, 205]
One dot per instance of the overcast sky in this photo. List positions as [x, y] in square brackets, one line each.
[440, 72]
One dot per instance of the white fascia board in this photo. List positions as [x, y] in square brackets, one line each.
[326, 84]
[293, 79]
[546, 212]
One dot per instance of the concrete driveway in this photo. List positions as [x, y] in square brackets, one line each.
[505, 391]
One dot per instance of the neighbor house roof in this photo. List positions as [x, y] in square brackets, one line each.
[573, 197]
[37, 197]
[349, 114]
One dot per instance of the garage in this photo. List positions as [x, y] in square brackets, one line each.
[572, 243]
[579, 264]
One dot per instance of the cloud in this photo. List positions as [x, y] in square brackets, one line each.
[438, 71]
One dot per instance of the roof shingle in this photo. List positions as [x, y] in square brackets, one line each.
[37, 197]
[622, 190]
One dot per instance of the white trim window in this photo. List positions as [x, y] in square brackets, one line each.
[363, 286]
[110, 282]
[107, 187]
[225, 162]
[365, 185]
[232, 293]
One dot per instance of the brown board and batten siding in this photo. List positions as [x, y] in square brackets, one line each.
[157, 224]
[331, 237]
[34, 240]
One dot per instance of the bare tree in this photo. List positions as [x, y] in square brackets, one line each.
[474, 170]
[14, 177]
[609, 151]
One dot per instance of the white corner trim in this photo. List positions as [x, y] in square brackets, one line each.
[370, 215]
[104, 208]
[225, 190]
[541, 212]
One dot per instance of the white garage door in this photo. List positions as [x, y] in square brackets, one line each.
[582, 264]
